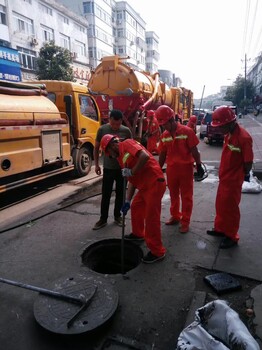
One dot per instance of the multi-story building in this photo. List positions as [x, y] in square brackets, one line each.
[26, 27]
[89, 29]
[116, 28]
[255, 75]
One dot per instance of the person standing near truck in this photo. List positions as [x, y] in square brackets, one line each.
[146, 178]
[235, 165]
[178, 148]
[111, 169]
[153, 132]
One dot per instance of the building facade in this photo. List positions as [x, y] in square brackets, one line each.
[255, 75]
[27, 24]
[89, 29]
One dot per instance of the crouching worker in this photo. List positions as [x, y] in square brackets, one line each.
[145, 175]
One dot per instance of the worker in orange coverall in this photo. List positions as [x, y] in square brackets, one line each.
[235, 165]
[192, 122]
[178, 148]
[144, 174]
[153, 132]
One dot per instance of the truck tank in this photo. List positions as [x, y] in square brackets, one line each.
[118, 86]
[34, 136]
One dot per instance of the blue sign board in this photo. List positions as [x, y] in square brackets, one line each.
[9, 64]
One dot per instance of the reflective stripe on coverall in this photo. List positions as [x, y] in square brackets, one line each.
[180, 170]
[146, 204]
[237, 150]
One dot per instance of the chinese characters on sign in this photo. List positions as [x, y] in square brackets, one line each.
[9, 64]
[82, 74]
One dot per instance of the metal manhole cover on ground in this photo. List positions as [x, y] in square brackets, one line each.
[64, 317]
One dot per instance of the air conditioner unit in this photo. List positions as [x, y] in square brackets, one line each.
[34, 42]
[119, 21]
[132, 43]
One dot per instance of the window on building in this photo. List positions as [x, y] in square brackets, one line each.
[2, 15]
[64, 41]
[79, 28]
[28, 1]
[80, 48]
[27, 58]
[47, 33]
[46, 9]
[88, 7]
[23, 24]
[102, 14]
[63, 19]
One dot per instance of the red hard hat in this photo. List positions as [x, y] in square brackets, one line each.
[164, 114]
[150, 113]
[222, 116]
[106, 139]
[193, 119]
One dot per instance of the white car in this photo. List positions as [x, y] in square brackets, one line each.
[203, 126]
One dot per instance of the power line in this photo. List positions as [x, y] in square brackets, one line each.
[246, 27]
[252, 28]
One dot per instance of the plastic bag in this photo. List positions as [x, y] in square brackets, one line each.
[216, 327]
[253, 186]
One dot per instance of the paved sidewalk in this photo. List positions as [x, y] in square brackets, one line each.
[153, 299]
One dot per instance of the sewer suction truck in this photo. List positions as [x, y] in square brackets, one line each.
[116, 85]
[46, 128]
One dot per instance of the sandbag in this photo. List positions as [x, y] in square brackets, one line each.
[253, 186]
[216, 327]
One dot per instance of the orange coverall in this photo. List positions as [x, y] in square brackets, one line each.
[146, 205]
[153, 135]
[180, 170]
[237, 150]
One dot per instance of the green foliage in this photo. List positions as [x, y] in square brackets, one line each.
[54, 63]
[235, 93]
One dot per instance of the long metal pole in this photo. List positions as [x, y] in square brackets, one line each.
[123, 231]
[44, 291]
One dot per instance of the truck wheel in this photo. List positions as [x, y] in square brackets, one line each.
[82, 160]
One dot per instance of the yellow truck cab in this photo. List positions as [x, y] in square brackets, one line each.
[75, 100]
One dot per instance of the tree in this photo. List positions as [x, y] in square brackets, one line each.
[54, 63]
[235, 93]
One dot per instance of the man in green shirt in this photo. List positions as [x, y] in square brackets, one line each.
[111, 169]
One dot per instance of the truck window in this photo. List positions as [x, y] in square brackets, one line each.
[51, 96]
[87, 107]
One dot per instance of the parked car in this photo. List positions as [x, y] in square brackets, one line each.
[203, 126]
[213, 134]
[199, 113]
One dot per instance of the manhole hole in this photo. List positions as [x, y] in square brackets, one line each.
[106, 256]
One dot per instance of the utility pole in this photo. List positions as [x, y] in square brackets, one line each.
[245, 80]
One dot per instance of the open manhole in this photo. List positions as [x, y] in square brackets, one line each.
[106, 256]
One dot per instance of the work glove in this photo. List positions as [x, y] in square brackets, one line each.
[200, 170]
[125, 207]
[247, 178]
[126, 172]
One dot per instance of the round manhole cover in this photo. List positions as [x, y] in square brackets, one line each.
[110, 257]
[65, 317]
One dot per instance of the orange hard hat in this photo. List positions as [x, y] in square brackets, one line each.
[223, 115]
[193, 118]
[106, 139]
[150, 113]
[164, 114]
